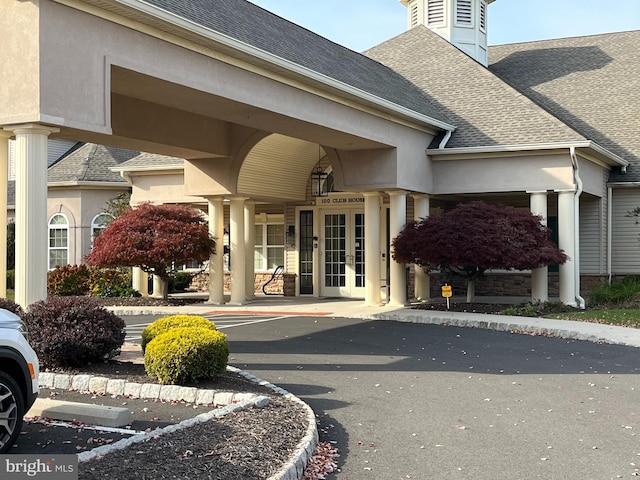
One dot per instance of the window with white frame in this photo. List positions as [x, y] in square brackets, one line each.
[269, 246]
[58, 241]
[98, 224]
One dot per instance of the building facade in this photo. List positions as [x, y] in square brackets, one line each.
[241, 109]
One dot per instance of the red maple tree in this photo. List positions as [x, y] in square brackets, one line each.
[475, 237]
[156, 238]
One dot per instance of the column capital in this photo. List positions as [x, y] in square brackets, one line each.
[420, 195]
[537, 192]
[31, 128]
[393, 193]
[566, 190]
[371, 193]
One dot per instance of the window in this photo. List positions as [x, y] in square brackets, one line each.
[464, 13]
[98, 224]
[58, 241]
[435, 12]
[269, 246]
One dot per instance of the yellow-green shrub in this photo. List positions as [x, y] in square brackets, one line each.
[187, 355]
[165, 324]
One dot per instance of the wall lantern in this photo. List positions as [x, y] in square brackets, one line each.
[318, 182]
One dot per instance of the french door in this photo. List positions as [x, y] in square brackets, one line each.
[342, 255]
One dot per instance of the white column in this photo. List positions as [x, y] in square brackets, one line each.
[216, 261]
[4, 180]
[397, 221]
[31, 213]
[140, 281]
[249, 245]
[539, 276]
[372, 270]
[238, 252]
[422, 281]
[567, 242]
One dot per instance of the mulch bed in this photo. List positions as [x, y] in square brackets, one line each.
[245, 445]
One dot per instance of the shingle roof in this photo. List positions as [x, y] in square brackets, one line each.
[591, 83]
[151, 160]
[89, 163]
[486, 110]
[259, 28]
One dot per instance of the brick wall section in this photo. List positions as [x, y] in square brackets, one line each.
[283, 284]
[509, 284]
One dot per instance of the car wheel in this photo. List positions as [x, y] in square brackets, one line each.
[11, 411]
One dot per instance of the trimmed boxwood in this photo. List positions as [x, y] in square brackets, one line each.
[165, 324]
[186, 355]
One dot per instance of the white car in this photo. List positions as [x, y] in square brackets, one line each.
[19, 370]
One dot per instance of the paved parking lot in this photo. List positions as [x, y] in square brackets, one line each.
[405, 401]
[137, 323]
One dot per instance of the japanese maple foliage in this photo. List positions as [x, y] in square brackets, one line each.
[477, 236]
[154, 238]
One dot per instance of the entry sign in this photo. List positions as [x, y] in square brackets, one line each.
[447, 291]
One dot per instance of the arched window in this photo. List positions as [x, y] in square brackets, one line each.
[98, 224]
[58, 241]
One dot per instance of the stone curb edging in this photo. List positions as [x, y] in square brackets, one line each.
[293, 469]
[531, 328]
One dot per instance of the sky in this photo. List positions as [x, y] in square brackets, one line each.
[361, 24]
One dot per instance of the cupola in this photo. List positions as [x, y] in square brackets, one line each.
[463, 23]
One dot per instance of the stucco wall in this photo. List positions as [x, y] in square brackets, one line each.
[19, 88]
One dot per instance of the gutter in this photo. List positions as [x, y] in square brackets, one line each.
[576, 171]
[615, 159]
[282, 63]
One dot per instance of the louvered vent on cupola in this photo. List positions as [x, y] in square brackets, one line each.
[464, 13]
[435, 12]
[413, 13]
[462, 23]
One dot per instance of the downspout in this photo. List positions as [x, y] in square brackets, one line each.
[609, 236]
[576, 228]
[445, 140]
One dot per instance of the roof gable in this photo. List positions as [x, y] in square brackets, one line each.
[486, 110]
[591, 83]
[89, 163]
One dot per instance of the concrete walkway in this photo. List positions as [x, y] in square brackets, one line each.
[348, 308]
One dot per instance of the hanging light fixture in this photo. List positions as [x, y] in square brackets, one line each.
[318, 182]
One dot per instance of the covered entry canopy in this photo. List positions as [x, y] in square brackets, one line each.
[205, 85]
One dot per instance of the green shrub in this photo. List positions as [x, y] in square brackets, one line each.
[624, 292]
[11, 279]
[105, 282]
[73, 331]
[165, 324]
[68, 280]
[186, 355]
[180, 281]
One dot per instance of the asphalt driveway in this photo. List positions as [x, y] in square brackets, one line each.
[409, 401]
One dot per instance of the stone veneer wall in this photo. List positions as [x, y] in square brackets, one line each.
[283, 284]
[516, 284]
